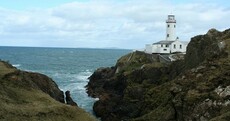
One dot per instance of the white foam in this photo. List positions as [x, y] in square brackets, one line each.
[83, 76]
[75, 82]
[96, 99]
[62, 89]
[16, 65]
[75, 87]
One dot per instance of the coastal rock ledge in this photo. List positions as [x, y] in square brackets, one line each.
[141, 88]
[28, 96]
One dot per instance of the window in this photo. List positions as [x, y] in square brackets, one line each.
[174, 46]
[165, 49]
[180, 46]
[174, 26]
[167, 45]
[168, 26]
[167, 35]
[161, 45]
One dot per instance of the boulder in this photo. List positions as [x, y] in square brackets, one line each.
[69, 100]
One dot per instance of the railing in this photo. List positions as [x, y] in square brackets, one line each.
[170, 21]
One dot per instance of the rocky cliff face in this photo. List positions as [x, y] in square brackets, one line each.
[32, 96]
[140, 88]
[208, 46]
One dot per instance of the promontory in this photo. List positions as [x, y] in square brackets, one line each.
[29, 96]
[143, 87]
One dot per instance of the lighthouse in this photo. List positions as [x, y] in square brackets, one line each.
[171, 28]
[171, 44]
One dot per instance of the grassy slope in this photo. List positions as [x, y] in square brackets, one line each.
[18, 103]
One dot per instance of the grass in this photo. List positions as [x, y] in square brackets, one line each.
[5, 69]
[25, 103]
[22, 104]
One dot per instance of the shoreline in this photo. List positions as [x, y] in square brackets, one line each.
[21, 88]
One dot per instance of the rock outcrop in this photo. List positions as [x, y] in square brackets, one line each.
[69, 100]
[28, 96]
[141, 88]
[36, 81]
[202, 47]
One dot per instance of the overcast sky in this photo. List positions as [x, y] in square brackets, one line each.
[105, 23]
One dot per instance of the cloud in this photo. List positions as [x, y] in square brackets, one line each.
[98, 23]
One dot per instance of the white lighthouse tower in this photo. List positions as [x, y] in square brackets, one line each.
[171, 44]
[171, 28]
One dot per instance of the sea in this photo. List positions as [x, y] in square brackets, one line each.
[68, 67]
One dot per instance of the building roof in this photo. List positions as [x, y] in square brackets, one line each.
[163, 42]
[170, 42]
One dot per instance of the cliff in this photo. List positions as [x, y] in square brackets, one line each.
[141, 88]
[28, 96]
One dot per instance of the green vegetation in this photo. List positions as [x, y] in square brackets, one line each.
[5, 68]
[20, 101]
[136, 60]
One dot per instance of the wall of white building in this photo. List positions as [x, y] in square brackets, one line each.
[175, 46]
[148, 48]
[178, 46]
[163, 48]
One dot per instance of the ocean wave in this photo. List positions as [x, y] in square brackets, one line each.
[16, 65]
[83, 76]
[76, 87]
[76, 82]
[69, 68]
[73, 77]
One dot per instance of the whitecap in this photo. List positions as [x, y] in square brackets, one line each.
[75, 82]
[83, 76]
[75, 87]
[16, 65]
[62, 89]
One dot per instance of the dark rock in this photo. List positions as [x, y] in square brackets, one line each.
[99, 78]
[200, 48]
[140, 88]
[102, 73]
[69, 100]
[204, 47]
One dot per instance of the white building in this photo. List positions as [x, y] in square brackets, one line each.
[171, 44]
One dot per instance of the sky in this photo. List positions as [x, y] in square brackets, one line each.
[128, 24]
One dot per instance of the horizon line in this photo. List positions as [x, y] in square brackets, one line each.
[114, 48]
